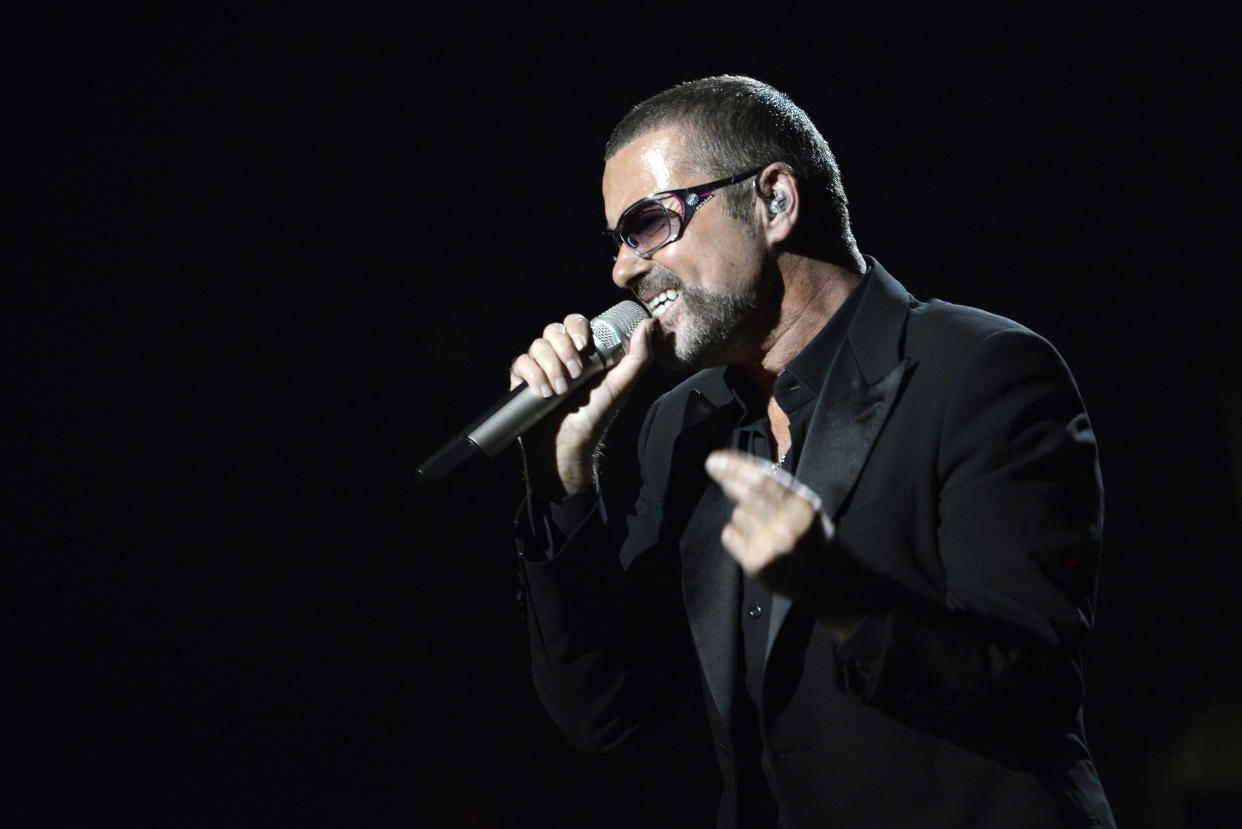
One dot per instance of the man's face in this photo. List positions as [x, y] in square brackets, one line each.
[703, 287]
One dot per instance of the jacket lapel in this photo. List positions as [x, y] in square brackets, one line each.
[711, 581]
[858, 394]
[854, 404]
[843, 429]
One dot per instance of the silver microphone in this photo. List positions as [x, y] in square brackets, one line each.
[523, 407]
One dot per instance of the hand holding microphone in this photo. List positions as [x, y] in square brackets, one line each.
[570, 357]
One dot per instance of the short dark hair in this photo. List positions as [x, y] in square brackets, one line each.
[736, 123]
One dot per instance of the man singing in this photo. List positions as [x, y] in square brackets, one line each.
[869, 525]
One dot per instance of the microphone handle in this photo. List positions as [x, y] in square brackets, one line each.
[497, 428]
[524, 407]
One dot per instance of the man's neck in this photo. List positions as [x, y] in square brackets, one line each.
[813, 292]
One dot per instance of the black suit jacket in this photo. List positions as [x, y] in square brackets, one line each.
[953, 451]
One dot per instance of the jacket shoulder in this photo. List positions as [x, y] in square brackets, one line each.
[946, 330]
[948, 319]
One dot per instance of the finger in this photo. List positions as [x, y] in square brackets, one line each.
[525, 370]
[743, 476]
[748, 519]
[637, 359]
[775, 531]
[743, 550]
[734, 541]
[639, 346]
[730, 464]
[579, 329]
[566, 349]
[542, 352]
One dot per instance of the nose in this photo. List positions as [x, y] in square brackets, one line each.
[628, 268]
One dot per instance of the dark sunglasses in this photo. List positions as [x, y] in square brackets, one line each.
[659, 219]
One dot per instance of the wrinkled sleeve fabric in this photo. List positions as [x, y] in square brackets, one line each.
[609, 643]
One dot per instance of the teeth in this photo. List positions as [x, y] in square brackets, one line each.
[661, 303]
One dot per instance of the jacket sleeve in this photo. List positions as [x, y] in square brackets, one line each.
[610, 646]
[996, 664]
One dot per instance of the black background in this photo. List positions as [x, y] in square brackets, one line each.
[262, 263]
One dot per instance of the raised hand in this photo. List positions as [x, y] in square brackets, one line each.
[560, 451]
[780, 537]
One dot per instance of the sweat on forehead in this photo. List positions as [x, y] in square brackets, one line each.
[662, 158]
[684, 146]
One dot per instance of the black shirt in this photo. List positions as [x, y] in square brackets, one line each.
[795, 390]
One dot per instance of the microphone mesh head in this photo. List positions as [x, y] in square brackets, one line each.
[614, 327]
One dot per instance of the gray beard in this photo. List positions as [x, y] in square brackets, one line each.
[708, 325]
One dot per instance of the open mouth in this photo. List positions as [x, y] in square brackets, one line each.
[662, 302]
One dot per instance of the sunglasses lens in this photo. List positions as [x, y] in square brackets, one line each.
[645, 226]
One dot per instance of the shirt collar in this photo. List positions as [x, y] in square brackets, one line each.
[808, 371]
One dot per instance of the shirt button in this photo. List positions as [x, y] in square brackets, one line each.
[754, 611]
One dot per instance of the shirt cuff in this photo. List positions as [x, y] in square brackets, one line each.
[857, 656]
[553, 523]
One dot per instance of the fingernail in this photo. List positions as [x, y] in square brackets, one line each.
[545, 390]
[561, 385]
[575, 368]
[579, 342]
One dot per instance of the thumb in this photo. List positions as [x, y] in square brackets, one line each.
[640, 342]
[638, 357]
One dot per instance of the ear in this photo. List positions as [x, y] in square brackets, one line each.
[779, 201]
